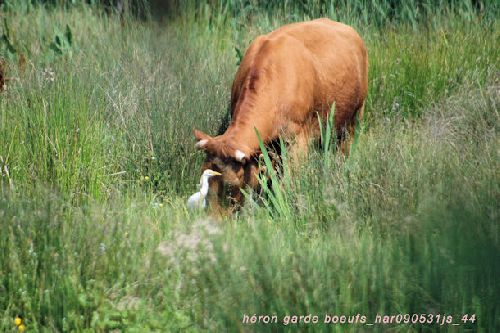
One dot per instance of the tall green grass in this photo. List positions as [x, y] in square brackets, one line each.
[97, 159]
[367, 13]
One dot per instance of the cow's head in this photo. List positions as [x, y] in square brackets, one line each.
[238, 165]
[222, 146]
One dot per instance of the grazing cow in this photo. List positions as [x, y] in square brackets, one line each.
[285, 80]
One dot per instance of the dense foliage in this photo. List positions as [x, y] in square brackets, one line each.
[97, 160]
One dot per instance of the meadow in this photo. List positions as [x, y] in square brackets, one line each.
[97, 159]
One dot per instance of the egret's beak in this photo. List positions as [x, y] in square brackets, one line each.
[215, 173]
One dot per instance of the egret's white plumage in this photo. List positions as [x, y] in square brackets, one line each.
[198, 200]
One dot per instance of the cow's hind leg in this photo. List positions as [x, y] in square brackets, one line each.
[346, 136]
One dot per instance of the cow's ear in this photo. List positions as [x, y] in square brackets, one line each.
[202, 139]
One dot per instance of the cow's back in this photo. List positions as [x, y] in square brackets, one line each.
[338, 59]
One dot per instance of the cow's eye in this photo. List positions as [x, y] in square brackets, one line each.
[237, 167]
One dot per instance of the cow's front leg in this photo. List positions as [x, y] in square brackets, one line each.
[214, 196]
[299, 149]
[236, 197]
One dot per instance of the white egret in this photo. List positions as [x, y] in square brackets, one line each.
[199, 199]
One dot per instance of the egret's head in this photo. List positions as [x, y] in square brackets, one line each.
[230, 171]
[209, 173]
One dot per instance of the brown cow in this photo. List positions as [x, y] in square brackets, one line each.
[286, 79]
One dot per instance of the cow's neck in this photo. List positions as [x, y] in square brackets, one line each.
[249, 117]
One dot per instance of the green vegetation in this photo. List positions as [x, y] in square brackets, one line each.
[97, 159]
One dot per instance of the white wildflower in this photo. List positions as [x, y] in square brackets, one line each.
[48, 74]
